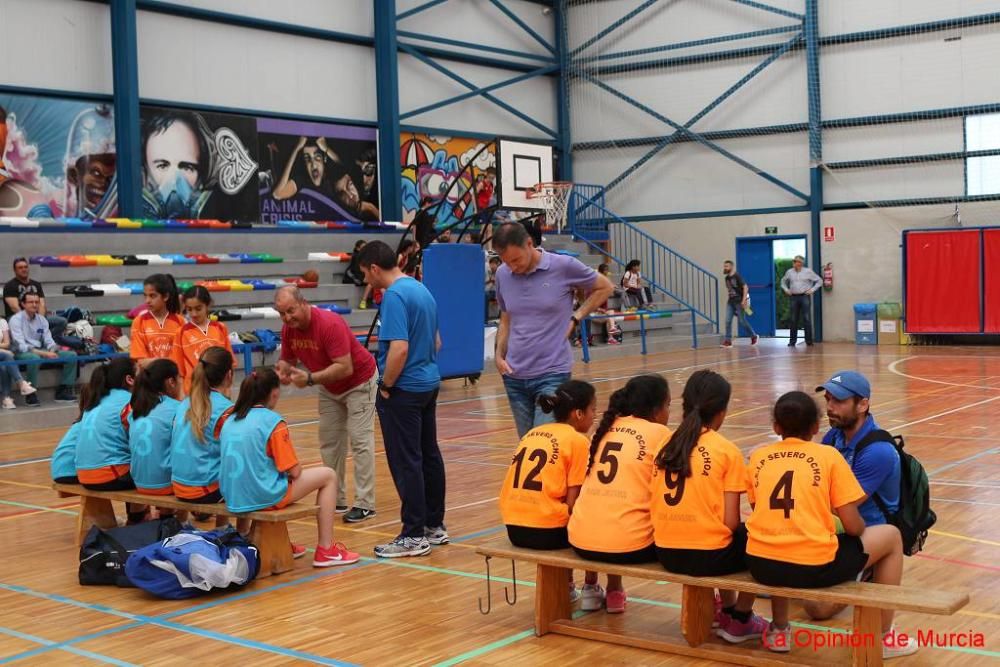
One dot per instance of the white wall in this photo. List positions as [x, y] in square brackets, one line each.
[352, 16]
[62, 44]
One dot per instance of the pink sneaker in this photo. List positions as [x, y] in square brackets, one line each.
[298, 550]
[721, 617]
[754, 338]
[335, 555]
[614, 602]
[735, 632]
[726, 343]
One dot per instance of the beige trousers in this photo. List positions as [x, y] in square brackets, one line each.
[350, 415]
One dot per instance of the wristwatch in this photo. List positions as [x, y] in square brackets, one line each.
[575, 319]
[309, 379]
[386, 388]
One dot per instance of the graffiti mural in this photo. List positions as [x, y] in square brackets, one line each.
[430, 164]
[57, 158]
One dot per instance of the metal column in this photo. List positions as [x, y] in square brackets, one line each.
[387, 89]
[815, 156]
[125, 63]
[564, 142]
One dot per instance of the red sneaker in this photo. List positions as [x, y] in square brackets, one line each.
[298, 550]
[614, 602]
[334, 555]
[754, 339]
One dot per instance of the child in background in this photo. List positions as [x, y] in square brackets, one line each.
[10, 376]
[199, 333]
[155, 398]
[260, 469]
[154, 332]
[632, 284]
[695, 503]
[545, 476]
[610, 520]
[796, 487]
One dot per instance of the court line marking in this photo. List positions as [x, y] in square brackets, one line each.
[446, 510]
[935, 531]
[892, 369]
[69, 649]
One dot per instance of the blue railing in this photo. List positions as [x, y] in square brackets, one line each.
[665, 270]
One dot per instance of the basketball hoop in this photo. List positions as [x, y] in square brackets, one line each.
[554, 198]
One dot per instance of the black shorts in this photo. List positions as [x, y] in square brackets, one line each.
[67, 480]
[207, 499]
[123, 483]
[707, 562]
[845, 566]
[544, 539]
[645, 555]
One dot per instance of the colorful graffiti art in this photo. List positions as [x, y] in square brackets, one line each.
[431, 164]
[57, 158]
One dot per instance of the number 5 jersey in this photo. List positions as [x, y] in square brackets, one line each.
[795, 486]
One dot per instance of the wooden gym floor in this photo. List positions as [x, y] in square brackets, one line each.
[424, 610]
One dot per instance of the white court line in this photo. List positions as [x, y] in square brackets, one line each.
[446, 510]
[892, 369]
[948, 482]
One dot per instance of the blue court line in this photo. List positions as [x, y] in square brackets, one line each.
[481, 533]
[76, 651]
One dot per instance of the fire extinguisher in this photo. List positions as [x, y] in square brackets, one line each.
[828, 277]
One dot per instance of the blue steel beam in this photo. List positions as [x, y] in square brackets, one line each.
[769, 8]
[479, 91]
[434, 39]
[910, 159]
[387, 101]
[728, 213]
[471, 86]
[701, 114]
[524, 26]
[614, 26]
[687, 45]
[815, 152]
[563, 120]
[714, 135]
[473, 59]
[125, 75]
[918, 201]
[416, 10]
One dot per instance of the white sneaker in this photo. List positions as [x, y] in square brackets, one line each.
[592, 597]
[26, 388]
[8, 403]
[893, 645]
[574, 593]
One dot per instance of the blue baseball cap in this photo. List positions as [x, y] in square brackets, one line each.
[847, 383]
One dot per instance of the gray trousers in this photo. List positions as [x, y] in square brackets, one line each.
[350, 416]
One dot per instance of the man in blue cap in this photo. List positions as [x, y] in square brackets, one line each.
[848, 396]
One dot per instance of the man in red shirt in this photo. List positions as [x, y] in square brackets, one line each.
[323, 344]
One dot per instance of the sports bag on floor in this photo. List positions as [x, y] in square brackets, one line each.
[104, 552]
[194, 562]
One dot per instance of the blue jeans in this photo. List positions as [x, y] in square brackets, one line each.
[523, 397]
[10, 376]
[736, 310]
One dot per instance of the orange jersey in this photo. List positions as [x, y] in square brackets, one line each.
[612, 513]
[549, 460]
[690, 512]
[796, 485]
[280, 448]
[149, 340]
[191, 342]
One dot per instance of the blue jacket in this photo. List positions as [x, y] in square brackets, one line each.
[877, 469]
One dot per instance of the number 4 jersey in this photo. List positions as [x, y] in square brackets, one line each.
[549, 459]
[612, 513]
[795, 486]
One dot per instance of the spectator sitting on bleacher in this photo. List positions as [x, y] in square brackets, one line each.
[10, 376]
[33, 340]
[353, 275]
[20, 285]
[632, 284]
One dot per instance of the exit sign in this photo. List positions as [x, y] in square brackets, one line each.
[770, 230]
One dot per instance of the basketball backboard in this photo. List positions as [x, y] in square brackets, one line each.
[520, 166]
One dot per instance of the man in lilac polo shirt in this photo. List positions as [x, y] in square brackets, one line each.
[535, 294]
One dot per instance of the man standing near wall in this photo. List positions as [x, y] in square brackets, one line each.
[345, 372]
[535, 294]
[408, 342]
[800, 283]
[736, 303]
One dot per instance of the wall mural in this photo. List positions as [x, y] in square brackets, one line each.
[430, 164]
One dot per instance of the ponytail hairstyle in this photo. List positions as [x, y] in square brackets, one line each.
[209, 373]
[796, 413]
[641, 397]
[255, 390]
[570, 396]
[632, 265]
[197, 292]
[150, 386]
[706, 394]
[112, 375]
[164, 284]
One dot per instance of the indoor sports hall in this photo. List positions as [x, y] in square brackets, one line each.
[370, 241]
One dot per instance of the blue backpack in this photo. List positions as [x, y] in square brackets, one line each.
[268, 338]
[193, 562]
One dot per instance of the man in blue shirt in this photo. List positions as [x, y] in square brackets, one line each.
[848, 396]
[408, 342]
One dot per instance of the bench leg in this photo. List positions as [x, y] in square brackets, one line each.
[94, 512]
[273, 547]
[697, 612]
[551, 597]
[867, 623]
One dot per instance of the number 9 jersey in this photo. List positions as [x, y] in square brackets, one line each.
[794, 487]
[549, 459]
[612, 513]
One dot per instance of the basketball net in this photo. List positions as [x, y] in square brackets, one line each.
[554, 198]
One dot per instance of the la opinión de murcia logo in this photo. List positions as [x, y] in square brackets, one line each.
[816, 640]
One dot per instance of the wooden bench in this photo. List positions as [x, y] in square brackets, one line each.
[268, 529]
[694, 636]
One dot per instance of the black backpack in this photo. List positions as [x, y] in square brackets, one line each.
[104, 553]
[914, 516]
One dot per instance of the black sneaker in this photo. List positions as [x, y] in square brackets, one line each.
[342, 508]
[32, 401]
[358, 514]
[65, 396]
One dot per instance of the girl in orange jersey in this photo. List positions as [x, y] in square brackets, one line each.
[545, 475]
[154, 333]
[695, 503]
[796, 487]
[610, 520]
[199, 333]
